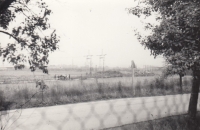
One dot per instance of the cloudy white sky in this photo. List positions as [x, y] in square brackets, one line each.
[92, 26]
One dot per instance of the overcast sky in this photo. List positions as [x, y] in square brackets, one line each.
[92, 26]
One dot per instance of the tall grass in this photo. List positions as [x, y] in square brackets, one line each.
[64, 92]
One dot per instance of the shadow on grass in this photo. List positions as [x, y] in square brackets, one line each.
[180, 122]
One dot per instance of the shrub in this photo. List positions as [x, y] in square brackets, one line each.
[119, 87]
[54, 95]
[25, 93]
[159, 83]
[100, 88]
[138, 88]
[2, 100]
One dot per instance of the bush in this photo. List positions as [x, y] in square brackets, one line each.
[2, 100]
[100, 88]
[159, 83]
[119, 87]
[54, 95]
[25, 93]
[138, 88]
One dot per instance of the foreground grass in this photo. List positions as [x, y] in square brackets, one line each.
[180, 122]
[26, 96]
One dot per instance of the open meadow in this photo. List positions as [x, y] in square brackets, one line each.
[25, 75]
[26, 94]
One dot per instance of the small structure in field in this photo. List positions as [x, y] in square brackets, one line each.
[61, 77]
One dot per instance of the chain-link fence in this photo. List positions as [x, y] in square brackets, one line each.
[100, 113]
[95, 115]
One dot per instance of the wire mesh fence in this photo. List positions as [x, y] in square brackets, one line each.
[95, 115]
[46, 113]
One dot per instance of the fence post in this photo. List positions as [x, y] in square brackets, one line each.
[133, 75]
[133, 81]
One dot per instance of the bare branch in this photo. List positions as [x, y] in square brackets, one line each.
[10, 35]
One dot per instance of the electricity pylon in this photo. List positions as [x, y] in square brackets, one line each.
[102, 57]
[89, 57]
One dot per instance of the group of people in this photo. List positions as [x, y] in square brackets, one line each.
[62, 77]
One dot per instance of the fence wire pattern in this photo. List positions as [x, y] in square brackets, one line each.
[94, 115]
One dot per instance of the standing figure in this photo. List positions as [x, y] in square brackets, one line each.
[69, 76]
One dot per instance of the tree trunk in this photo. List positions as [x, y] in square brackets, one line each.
[181, 88]
[194, 95]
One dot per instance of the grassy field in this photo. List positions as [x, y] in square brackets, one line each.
[25, 75]
[72, 91]
[27, 95]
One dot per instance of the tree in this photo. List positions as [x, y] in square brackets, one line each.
[33, 38]
[177, 37]
[172, 70]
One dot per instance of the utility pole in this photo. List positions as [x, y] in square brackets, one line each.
[133, 66]
[90, 65]
[89, 57]
[102, 56]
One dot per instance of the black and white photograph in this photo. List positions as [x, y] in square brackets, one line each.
[99, 64]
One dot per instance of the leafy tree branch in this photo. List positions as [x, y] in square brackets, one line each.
[177, 37]
[30, 34]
